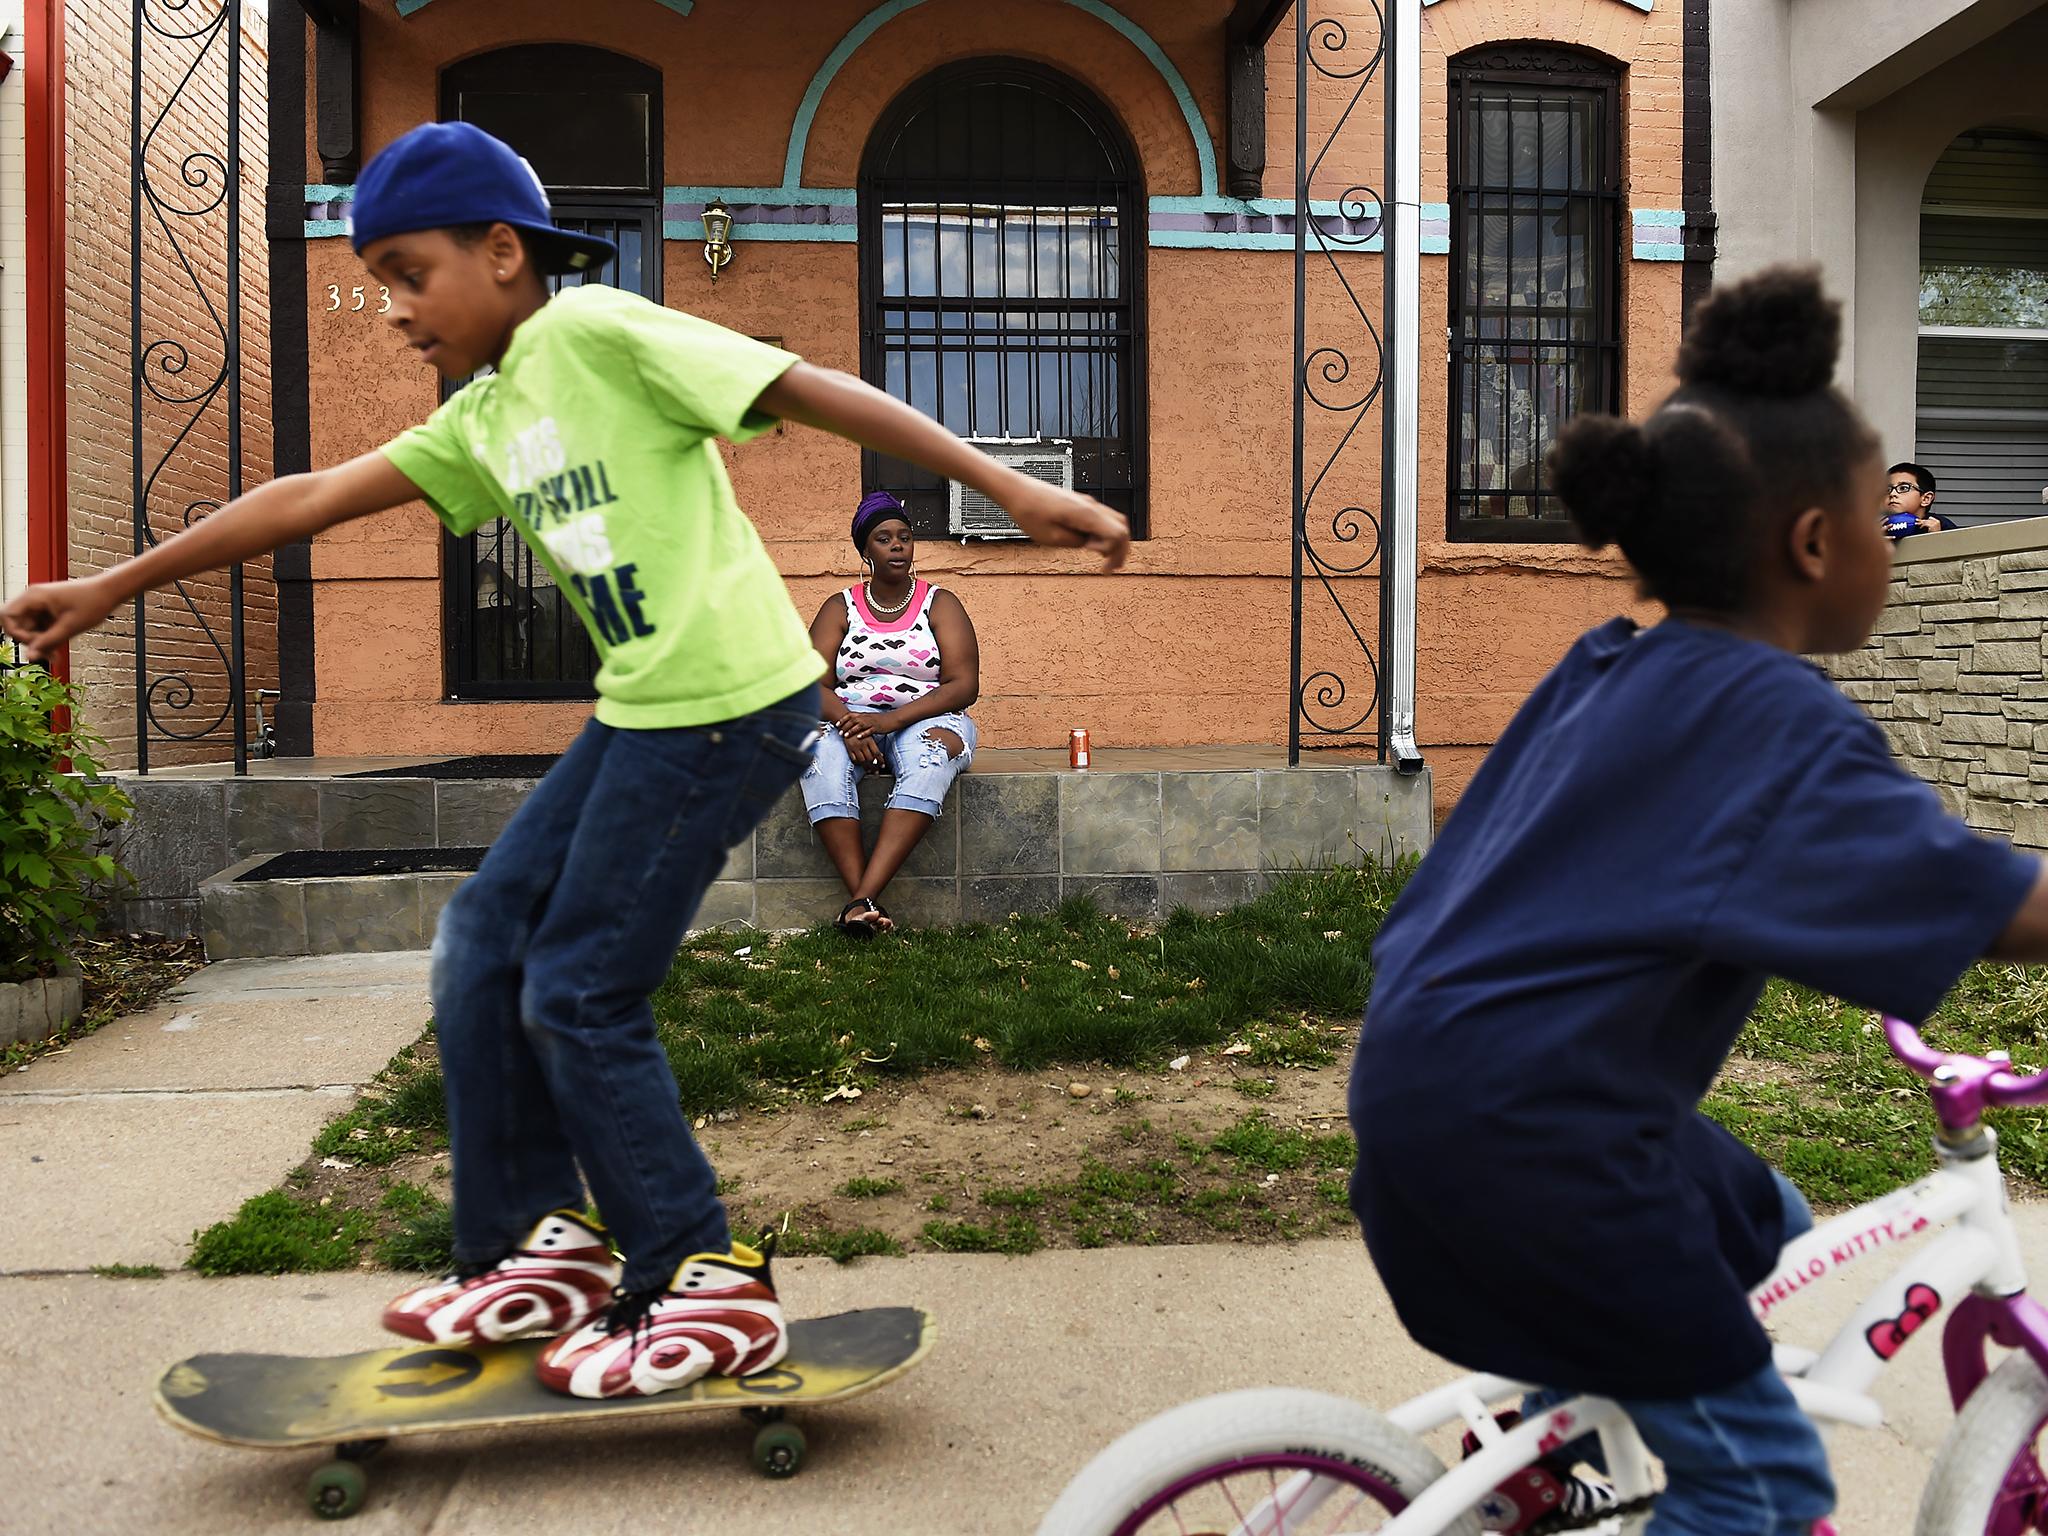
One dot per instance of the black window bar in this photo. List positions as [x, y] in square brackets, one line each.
[589, 122]
[1001, 223]
[1535, 312]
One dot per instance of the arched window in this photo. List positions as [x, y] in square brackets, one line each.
[1983, 374]
[1000, 239]
[1535, 194]
[589, 122]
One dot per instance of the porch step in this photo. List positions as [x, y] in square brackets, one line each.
[330, 901]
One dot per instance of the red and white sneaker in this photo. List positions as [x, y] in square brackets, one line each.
[719, 1316]
[557, 1280]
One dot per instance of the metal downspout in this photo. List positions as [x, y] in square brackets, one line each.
[1404, 277]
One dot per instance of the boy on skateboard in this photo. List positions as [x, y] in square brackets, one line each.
[597, 435]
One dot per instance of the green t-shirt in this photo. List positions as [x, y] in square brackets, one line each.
[597, 438]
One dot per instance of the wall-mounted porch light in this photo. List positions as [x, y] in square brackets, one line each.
[717, 236]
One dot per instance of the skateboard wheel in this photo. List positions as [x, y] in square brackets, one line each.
[779, 1450]
[337, 1490]
[761, 1415]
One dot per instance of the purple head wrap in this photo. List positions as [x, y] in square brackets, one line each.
[875, 507]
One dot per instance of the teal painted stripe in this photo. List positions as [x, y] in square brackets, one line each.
[1139, 38]
[324, 229]
[830, 234]
[778, 197]
[1230, 240]
[322, 192]
[1647, 251]
[889, 10]
[1261, 207]
[859, 33]
[1661, 217]
[1207, 240]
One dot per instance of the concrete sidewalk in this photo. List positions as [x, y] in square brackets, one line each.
[1039, 1363]
[118, 1148]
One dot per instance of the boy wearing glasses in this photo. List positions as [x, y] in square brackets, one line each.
[1909, 502]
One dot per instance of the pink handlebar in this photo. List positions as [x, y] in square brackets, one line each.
[1963, 1085]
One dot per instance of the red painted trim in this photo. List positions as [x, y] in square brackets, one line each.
[49, 538]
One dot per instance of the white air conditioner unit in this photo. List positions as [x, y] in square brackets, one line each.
[971, 515]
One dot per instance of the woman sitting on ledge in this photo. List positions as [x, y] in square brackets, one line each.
[905, 667]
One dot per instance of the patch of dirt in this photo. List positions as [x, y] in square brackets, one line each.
[123, 973]
[1011, 1160]
[1756, 1070]
[1036, 1138]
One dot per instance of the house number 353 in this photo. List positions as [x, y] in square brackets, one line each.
[357, 298]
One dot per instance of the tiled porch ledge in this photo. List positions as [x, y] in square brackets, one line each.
[1140, 843]
[1141, 833]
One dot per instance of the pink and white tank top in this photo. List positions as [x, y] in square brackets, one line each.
[887, 662]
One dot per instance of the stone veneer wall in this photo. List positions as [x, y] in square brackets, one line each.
[1957, 672]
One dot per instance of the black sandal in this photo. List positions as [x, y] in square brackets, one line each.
[863, 927]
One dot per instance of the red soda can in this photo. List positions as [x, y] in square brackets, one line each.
[1077, 748]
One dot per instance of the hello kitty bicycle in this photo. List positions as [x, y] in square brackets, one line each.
[1282, 1462]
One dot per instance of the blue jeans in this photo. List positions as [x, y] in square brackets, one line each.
[923, 769]
[1740, 1461]
[543, 965]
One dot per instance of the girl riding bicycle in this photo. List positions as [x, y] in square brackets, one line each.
[1676, 814]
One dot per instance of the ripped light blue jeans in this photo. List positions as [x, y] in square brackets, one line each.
[923, 770]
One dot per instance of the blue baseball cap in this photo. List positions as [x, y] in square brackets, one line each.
[444, 174]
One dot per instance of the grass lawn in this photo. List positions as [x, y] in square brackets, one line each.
[903, 1094]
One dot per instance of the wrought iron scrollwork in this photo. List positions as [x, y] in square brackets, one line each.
[1336, 699]
[185, 383]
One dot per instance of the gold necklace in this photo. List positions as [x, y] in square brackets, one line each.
[888, 613]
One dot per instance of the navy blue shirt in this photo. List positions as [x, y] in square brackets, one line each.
[1675, 815]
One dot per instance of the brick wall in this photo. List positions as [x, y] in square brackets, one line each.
[1955, 673]
[181, 309]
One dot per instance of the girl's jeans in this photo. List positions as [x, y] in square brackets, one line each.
[1741, 1461]
[543, 965]
[923, 770]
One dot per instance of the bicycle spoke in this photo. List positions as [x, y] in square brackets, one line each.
[1299, 1495]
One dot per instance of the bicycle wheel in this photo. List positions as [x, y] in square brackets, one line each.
[1272, 1460]
[1988, 1479]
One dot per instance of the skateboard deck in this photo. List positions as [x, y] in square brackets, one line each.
[354, 1403]
[280, 1402]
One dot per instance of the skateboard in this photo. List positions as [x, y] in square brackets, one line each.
[356, 1403]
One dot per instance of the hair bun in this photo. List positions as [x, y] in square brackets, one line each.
[1604, 471]
[1773, 334]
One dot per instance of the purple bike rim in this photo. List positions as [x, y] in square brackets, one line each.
[2022, 1504]
[1390, 1499]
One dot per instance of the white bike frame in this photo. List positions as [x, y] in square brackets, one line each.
[1977, 1256]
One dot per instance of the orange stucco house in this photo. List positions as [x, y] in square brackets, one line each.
[901, 175]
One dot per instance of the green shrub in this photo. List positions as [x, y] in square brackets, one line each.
[50, 874]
